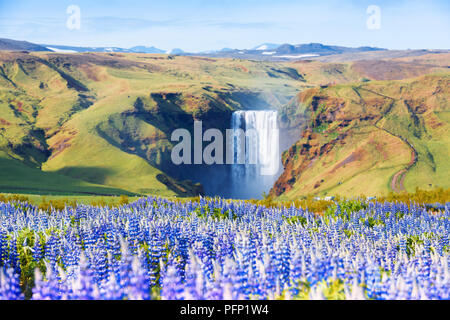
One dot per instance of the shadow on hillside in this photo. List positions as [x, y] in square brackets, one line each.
[96, 175]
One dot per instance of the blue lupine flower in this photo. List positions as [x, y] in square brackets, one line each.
[10, 285]
[172, 288]
[38, 251]
[166, 247]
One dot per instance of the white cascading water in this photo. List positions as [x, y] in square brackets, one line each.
[262, 155]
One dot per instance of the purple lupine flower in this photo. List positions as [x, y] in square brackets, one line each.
[47, 289]
[139, 283]
[38, 252]
[10, 285]
[172, 288]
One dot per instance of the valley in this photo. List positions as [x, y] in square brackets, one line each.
[100, 123]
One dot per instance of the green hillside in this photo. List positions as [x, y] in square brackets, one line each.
[100, 123]
[16, 177]
[105, 119]
[370, 138]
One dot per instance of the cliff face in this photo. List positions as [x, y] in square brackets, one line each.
[369, 138]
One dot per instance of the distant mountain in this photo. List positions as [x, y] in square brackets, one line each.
[270, 51]
[59, 48]
[143, 49]
[213, 52]
[14, 45]
[227, 50]
[175, 51]
[265, 51]
[7, 44]
[320, 49]
[136, 49]
[266, 46]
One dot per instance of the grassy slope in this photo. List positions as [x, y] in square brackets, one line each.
[346, 153]
[49, 86]
[18, 178]
[364, 160]
[417, 120]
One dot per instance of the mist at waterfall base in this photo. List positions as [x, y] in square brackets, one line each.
[245, 181]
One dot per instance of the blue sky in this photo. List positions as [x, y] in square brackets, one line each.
[197, 25]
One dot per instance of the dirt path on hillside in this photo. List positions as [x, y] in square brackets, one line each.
[397, 182]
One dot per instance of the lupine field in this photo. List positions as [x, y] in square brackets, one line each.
[155, 248]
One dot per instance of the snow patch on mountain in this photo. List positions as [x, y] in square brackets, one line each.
[266, 46]
[61, 50]
[298, 56]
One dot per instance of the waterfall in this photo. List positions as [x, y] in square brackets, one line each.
[257, 162]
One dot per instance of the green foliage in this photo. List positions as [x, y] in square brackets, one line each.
[25, 243]
[334, 290]
[348, 233]
[352, 206]
[411, 243]
[371, 222]
[320, 128]
[298, 219]
[215, 214]
[346, 207]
